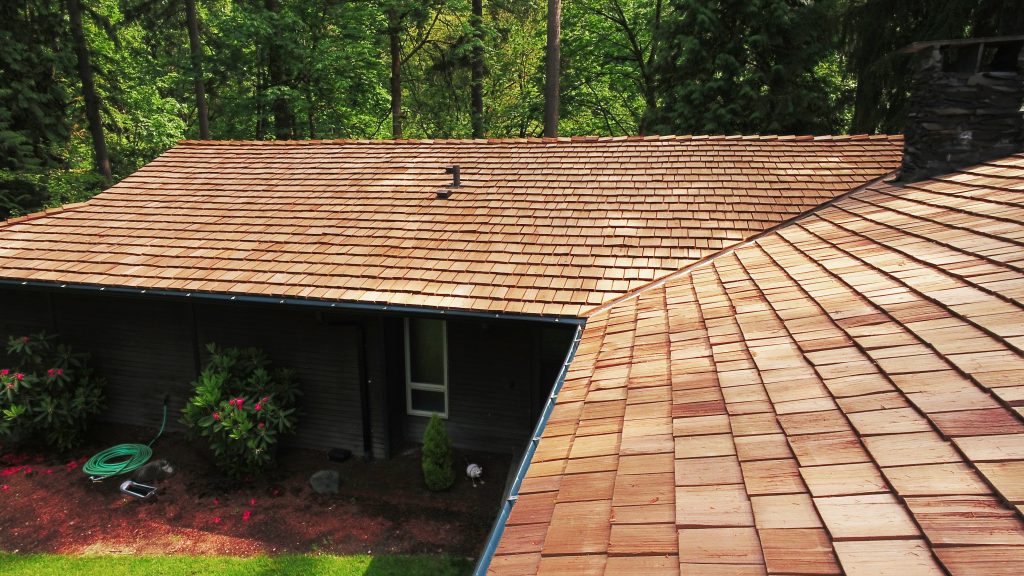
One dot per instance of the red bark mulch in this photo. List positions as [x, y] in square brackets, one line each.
[49, 505]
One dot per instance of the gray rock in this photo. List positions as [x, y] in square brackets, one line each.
[325, 481]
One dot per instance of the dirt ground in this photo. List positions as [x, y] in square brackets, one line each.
[48, 505]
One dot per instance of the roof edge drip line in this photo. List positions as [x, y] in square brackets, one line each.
[343, 305]
[491, 546]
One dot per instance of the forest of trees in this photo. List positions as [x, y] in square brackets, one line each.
[92, 89]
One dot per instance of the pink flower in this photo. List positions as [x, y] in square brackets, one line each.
[231, 402]
[265, 398]
[216, 519]
[19, 376]
[216, 416]
[5, 372]
[239, 402]
[246, 515]
[252, 502]
[216, 501]
[5, 487]
[24, 339]
[259, 406]
[50, 372]
[60, 371]
[260, 425]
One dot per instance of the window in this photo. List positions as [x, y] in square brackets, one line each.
[426, 367]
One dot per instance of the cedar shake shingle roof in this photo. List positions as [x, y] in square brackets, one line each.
[538, 227]
[841, 395]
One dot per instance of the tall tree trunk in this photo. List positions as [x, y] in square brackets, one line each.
[197, 68]
[395, 49]
[259, 91]
[310, 110]
[284, 120]
[476, 105]
[92, 99]
[650, 92]
[553, 56]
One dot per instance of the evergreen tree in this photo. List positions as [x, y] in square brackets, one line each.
[744, 66]
[437, 459]
[33, 97]
[875, 30]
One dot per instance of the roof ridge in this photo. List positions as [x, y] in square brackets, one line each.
[558, 140]
[730, 249]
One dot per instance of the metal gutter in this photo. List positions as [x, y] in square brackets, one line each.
[320, 304]
[498, 529]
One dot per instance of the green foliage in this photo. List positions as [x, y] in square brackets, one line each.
[741, 66]
[32, 98]
[608, 51]
[20, 193]
[874, 31]
[50, 393]
[321, 69]
[242, 406]
[438, 460]
[279, 565]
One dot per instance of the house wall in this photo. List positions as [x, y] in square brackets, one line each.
[147, 347]
[22, 312]
[143, 349]
[325, 358]
[496, 383]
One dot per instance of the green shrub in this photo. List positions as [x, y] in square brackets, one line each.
[50, 393]
[438, 471]
[242, 405]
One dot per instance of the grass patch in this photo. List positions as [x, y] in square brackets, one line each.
[61, 565]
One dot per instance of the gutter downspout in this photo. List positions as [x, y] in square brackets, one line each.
[491, 546]
[364, 398]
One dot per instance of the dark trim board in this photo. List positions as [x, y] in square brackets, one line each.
[330, 304]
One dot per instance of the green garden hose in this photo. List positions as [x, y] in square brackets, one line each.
[122, 458]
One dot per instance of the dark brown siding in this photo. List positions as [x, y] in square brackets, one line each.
[142, 347]
[323, 356]
[22, 312]
[493, 384]
[147, 347]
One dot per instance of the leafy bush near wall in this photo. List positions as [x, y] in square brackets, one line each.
[49, 393]
[438, 471]
[242, 405]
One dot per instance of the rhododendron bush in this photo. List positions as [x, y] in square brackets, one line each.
[49, 393]
[242, 405]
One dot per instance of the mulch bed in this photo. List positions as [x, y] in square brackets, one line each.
[48, 505]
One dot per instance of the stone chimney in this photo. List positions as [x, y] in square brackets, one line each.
[965, 105]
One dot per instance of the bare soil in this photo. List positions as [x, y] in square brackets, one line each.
[48, 505]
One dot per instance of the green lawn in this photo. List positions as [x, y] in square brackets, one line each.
[59, 565]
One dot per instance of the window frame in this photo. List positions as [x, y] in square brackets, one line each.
[424, 386]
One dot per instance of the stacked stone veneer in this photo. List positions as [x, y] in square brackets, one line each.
[959, 119]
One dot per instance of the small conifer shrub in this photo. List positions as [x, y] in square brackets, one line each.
[438, 461]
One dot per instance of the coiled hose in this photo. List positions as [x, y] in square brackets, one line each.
[122, 458]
